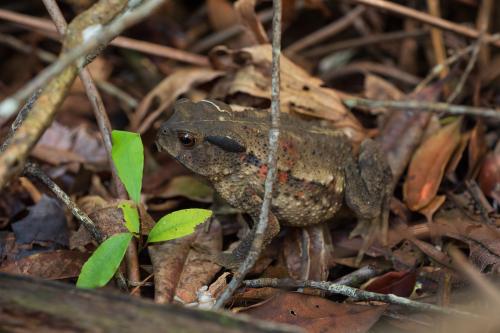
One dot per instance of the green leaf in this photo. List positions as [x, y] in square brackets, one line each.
[178, 224]
[128, 157]
[131, 216]
[104, 262]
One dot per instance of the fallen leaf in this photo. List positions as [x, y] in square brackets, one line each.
[246, 12]
[427, 166]
[489, 175]
[180, 271]
[316, 314]
[403, 130]
[54, 265]
[45, 222]
[221, 14]
[397, 283]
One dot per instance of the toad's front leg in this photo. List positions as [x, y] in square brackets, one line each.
[368, 192]
[232, 260]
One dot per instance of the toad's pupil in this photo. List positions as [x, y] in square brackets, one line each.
[186, 139]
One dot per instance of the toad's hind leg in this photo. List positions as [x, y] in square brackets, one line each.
[368, 191]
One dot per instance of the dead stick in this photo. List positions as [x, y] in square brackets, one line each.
[261, 226]
[356, 294]
[429, 19]
[424, 107]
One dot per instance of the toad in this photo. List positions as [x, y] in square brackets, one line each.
[317, 168]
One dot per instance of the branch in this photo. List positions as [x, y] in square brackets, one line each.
[429, 19]
[261, 226]
[424, 107]
[356, 294]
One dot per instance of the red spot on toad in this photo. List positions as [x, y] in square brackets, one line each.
[282, 177]
[263, 171]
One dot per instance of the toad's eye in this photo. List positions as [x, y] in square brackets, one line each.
[186, 139]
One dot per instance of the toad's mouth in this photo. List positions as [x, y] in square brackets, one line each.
[159, 147]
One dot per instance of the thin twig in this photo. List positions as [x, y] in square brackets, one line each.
[327, 31]
[10, 104]
[424, 107]
[47, 28]
[356, 294]
[436, 70]
[220, 37]
[19, 119]
[437, 38]
[429, 19]
[466, 73]
[361, 275]
[369, 40]
[261, 226]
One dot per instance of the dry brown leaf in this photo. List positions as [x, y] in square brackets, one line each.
[166, 92]
[403, 130]
[489, 175]
[397, 283]
[221, 14]
[483, 240]
[427, 166]
[198, 271]
[60, 264]
[300, 92]
[316, 314]
[246, 11]
[378, 88]
[180, 271]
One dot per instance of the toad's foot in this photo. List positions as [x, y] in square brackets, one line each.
[368, 192]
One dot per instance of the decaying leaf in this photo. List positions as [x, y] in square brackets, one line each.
[221, 14]
[402, 131]
[428, 164]
[246, 11]
[54, 265]
[316, 314]
[180, 271]
[397, 283]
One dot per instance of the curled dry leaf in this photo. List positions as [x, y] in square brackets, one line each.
[159, 99]
[482, 239]
[489, 175]
[403, 130]
[221, 14]
[300, 92]
[378, 88]
[397, 283]
[246, 11]
[428, 164]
